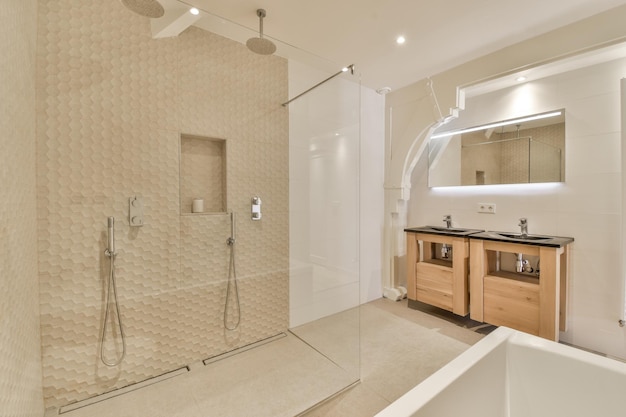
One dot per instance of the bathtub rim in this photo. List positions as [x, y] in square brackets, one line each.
[432, 386]
[428, 389]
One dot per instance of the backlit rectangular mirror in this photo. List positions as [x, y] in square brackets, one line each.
[529, 149]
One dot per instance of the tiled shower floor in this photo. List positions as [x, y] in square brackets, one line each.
[399, 348]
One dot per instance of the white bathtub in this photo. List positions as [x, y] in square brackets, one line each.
[514, 374]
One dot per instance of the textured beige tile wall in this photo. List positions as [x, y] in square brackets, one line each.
[517, 153]
[112, 104]
[202, 174]
[480, 158]
[20, 355]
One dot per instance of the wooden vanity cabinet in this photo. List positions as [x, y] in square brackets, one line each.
[438, 282]
[533, 304]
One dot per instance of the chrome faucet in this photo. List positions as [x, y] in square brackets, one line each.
[448, 219]
[523, 223]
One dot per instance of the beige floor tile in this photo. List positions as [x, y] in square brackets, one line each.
[279, 379]
[400, 309]
[337, 337]
[398, 354]
[164, 399]
[358, 401]
[399, 347]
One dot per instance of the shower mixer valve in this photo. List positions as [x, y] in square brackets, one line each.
[256, 208]
[135, 211]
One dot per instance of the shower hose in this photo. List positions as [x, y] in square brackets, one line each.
[232, 287]
[112, 285]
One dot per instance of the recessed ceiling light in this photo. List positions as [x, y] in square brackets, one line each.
[400, 40]
[520, 79]
[194, 11]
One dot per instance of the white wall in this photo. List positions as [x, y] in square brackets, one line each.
[587, 206]
[336, 176]
[371, 193]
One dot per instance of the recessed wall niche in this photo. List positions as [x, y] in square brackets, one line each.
[202, 173]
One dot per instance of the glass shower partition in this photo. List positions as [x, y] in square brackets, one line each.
[324, 217]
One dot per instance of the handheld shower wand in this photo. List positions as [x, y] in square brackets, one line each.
[111, 286]
[111, 237]
[232, 226]
[232, 289]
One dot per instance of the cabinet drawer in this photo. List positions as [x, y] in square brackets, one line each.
[512, 303]
[434, 285]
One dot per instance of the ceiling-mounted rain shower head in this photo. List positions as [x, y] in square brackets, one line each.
[261, 45]
[146, 8]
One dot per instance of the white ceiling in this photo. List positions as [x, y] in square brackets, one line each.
[440, 34]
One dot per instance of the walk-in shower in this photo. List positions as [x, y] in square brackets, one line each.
[206, 123]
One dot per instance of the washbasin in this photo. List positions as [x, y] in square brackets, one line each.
[519, 236]
[450, 231]
[447, 229]
[539, 240]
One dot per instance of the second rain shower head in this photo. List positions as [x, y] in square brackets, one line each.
[261, 45]
[146, 8]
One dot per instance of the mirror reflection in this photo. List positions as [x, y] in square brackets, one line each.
[525, 150]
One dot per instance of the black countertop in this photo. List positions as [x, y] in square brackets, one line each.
[508, 237]
[444, 231]
[534, 240]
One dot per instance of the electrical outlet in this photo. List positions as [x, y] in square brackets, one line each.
[489, 208]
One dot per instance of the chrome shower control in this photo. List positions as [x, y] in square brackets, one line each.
[256, 208]
[135, 211]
